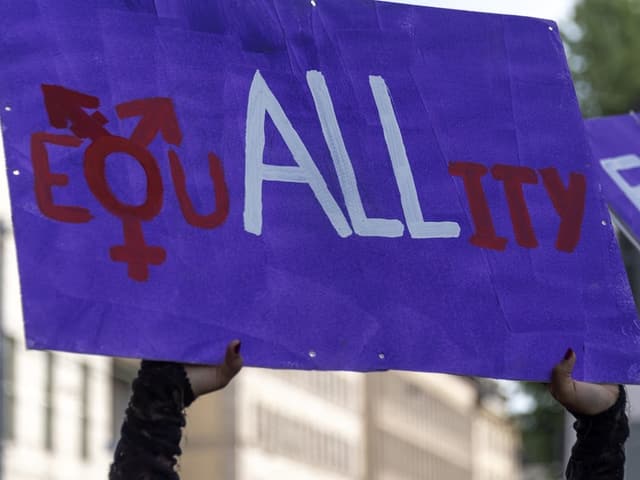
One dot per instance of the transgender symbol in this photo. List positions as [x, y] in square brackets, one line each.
[66, 109]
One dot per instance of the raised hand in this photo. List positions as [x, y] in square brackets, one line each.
[580, 398]
[209, 378]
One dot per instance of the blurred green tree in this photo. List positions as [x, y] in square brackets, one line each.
[603, 45]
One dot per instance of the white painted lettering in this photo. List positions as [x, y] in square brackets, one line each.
[418, 228]
[362, 225]
[613, 166]
[261, 102]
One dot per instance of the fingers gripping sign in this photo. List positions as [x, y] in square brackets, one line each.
[580, 398]
[209, 378]
[66, 109]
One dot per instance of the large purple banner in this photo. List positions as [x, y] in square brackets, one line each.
[340, 184]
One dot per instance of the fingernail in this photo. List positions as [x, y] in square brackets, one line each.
[569, 354]
[236, 349]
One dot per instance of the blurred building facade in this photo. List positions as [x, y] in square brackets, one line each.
[338, 425]
[278, 424]
[496, 443]
[420, 426]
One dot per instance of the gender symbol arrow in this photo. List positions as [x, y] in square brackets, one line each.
[66, 110]
[157, 115]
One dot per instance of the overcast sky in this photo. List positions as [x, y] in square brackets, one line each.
[558, 10]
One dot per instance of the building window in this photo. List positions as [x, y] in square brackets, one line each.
[84, 414]
[8, 388]
[329, 386]
[282, 435]
[409, 460]
[48, 401]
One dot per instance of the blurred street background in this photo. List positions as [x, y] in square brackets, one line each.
[61, 413]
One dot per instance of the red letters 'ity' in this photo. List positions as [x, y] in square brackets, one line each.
[485, 235]
[569, 203]
[513, 178]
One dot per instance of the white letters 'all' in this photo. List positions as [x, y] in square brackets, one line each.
[263, 101]
[613, 166]
[363, 226]
[418, 228]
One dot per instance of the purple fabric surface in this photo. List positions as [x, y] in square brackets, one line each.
[306, 293]
[612, 138]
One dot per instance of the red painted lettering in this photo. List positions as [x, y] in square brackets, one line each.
[219, 215]
[569, 203]
[95, 159]
[45, 179]
[485, 235]
[135, 252]
[513, 177]
[66, 110]
[157, 115]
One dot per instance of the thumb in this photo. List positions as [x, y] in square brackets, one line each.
[562, 386]
[232, 360]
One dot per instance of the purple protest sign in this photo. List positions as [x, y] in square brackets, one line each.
[615, 142]
[353, 185]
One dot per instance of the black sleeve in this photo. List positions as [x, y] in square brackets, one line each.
[599, 450]
[150, 437]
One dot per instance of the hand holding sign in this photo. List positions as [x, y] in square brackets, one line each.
[209, 378]
[580, 398]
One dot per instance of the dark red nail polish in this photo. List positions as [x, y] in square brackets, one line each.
[568, 355]
[236, 349]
